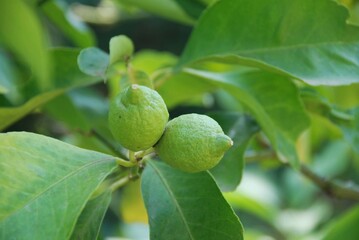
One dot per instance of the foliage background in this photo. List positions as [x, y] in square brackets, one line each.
[273, 201]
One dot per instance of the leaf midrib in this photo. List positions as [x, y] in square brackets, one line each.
[163, 180]
[52, 185]
[244, 52]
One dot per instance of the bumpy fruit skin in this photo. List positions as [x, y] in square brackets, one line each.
[121, 47]
[137, 117]
[193, 143]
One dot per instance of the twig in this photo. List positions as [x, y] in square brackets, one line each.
[329, 187]
[121, 182]
[125, 163]
[142, 154]
[107, 143]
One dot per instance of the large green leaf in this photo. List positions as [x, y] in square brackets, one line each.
[22, 33]
[186, 206]
[45, 184]
[89, 223]
[345, 227]
[305, 39]
[240, 128]
[281, 116]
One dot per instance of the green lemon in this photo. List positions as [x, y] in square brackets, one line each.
[193, 143]
[137, 117]
[121, 47]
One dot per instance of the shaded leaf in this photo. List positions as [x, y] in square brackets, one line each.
[89, 223]
[66, 76]
[75, 30]
[45, 184]
[8, 80]
[94, 62]
[351, 130]
[281, 116]
[72, 117]
[67, 73]
[9, 115]
[169, 9]
[345, 227]
[299, 38]
[27, 43]
[186, 206]
[228, 173]
[192, 8]
[320, 105]
[251, 205]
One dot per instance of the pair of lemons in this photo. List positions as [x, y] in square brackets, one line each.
[138, 119]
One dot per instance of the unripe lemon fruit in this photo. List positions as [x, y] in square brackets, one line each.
[137, 117]
[193, 143]
[121, 47]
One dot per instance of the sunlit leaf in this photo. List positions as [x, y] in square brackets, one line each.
[45, 184]
[303, 39]
[186, 206]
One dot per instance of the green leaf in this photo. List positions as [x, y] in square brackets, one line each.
[320, 105]
[94, 62]
[176, 89]
[22, 33]
[75, 30]
[251, 205]
[150, 61]
[45, 184]
[281, 116]
[186, 206]
[192, 8]
[67, 73]
[72, 117]
[89, 223]
[351, 130]
[345, 227]
[343, 96]
[168, 9]
[303, 39]
[240, 128]
[9, 115]
[8, 79]
[66, 76]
